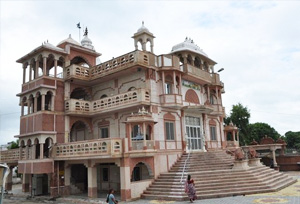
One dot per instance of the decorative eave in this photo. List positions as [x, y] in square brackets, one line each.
[41, 48]
[186, 50]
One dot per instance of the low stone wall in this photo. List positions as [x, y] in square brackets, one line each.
[285, 162]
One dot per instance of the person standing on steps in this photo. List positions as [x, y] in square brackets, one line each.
[190, 188]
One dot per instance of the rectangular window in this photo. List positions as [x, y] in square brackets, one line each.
[105, 174]
[103, 132]
[170, 133]
[213, 135]
[168, 88]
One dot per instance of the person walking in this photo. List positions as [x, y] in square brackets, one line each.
[190, 188]
[111, 198]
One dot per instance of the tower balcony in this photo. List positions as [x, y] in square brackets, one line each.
[97, 148]
[118, 64]
[218, 109]
[171, 100]
[114, 103]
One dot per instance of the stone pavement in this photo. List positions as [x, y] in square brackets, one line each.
[289, 195]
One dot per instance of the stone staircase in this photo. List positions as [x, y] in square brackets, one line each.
[214, 177]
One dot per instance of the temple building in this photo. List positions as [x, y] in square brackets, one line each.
[87, 127]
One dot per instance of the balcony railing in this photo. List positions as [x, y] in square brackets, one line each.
[197, 72]
[108, 67]
[99, 147]
[168, 61]
[171, 99]
[11, 155]
[75, 106]
[139, 145]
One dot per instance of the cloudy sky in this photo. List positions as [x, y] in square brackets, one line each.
[257, 42]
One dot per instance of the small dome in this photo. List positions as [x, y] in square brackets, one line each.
[86, 42]
[69, 40]
[143, 28]
[188, 44]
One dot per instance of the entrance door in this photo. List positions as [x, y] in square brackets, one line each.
[193, 133]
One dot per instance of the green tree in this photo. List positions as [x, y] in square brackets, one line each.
[14, 145]
[239, 115]
[258, 130]
[292, 139]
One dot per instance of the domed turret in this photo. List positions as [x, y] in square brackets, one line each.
[142, 36]
[86, 42]
[188, 44]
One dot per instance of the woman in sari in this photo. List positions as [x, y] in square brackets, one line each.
[190, 188]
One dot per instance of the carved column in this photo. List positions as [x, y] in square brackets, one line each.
[44, 65]
[43, 102]
[35, 104]
[24, 73]
[36, 73]
[163, 81]
[41, 150]
[92, 182]
[30, 72]
[55, 68]
[22, 108]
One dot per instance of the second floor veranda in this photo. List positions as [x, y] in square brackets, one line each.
[89, 149]
[117, 102]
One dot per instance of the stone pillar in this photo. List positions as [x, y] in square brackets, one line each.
[174, 83]
[22, 108]
[92, 182]
[28, 106]
[163, 81]
[30, 72]
[35, 104]
[129, 137]
[20, 152]
[33, 149]
[27, 152]
[43, 102]
[179, 85]
[44, 65]
[25, 182]
[41, 150]
[8, 184]
[55, 68]
[24, 73]
[144, 133]
[67, 177]
[274, 157]
[36, 73]
[125, 179]
[52, 102]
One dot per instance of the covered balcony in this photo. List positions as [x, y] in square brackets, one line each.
[117, 102]
[115, 65]
[97, 148]
[171, 100]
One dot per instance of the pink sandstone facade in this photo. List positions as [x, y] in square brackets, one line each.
[87, 127]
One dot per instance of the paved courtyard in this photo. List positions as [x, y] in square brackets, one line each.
[289, 195]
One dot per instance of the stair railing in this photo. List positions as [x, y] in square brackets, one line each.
[184, 166]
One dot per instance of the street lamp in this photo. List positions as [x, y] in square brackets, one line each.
[4, 171]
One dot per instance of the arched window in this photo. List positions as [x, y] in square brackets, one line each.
[189, 59]
[197, 62]
[80, 93]
[140, 172]
[103, 96]
[48, 101]
[79, 132]
[79, 61]
[213, 98]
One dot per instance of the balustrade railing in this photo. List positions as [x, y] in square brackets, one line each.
[202, 74]
[109, 146]
[120, 100]
[9, 155]
[107, 67]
